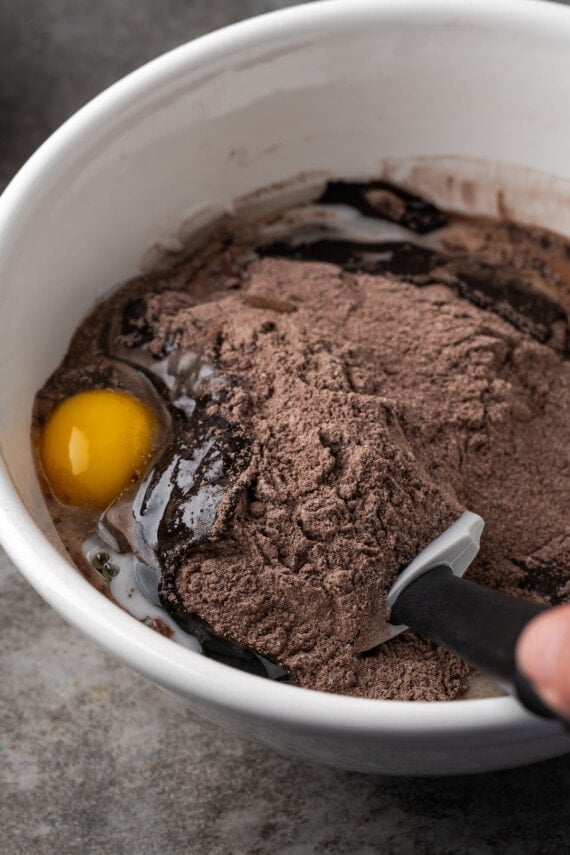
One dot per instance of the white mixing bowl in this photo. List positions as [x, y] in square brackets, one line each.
[344, 88]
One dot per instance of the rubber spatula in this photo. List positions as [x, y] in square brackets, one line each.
[478, 624]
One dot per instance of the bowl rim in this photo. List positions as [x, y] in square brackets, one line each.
[164, 662]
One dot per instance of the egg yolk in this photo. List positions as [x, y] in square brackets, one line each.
[94, 444]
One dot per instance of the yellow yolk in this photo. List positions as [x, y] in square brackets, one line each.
[94, 444]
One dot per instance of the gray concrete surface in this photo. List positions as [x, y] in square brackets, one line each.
[92, 758]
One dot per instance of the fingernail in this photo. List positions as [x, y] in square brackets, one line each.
[543, 656]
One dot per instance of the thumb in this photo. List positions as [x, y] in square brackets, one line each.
[543, 656]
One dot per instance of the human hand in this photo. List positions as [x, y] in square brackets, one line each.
[543, 656]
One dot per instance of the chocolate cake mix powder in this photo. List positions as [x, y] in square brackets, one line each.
[358, 409]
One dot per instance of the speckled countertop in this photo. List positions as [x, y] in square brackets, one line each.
[95, 760]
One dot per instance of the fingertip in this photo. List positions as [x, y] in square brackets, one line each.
[543, 656]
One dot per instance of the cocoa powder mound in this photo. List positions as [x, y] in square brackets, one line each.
[378, 409]
[379, 412]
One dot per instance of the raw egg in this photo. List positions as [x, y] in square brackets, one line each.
[94, 444]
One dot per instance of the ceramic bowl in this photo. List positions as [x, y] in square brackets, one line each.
[465, 101]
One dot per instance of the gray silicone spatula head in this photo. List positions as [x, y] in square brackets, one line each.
[455, 548]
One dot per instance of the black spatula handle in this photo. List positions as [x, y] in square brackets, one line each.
[479, 625]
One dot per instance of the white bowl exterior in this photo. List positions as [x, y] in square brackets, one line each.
[332, 87]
